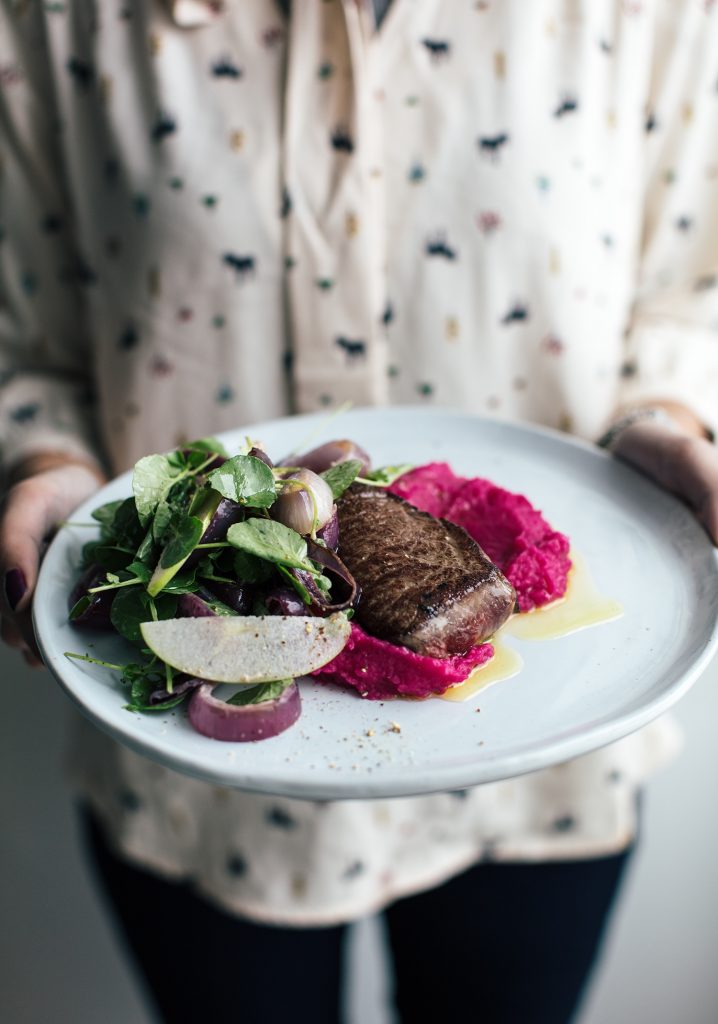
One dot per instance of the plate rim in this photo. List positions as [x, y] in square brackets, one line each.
[412, 780]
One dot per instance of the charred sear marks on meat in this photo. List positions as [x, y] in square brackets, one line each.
[425, 583]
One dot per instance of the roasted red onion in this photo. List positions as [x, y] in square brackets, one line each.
[259, 453]
[329, 454]
[192, 606]
[329, 533]
[305, 503]
[228, 513]
[181, 685]
[345, 590]
[284, 601]
[237, 596]
[96, 614]
[243, 724]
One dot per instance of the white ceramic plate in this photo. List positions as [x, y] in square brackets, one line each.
[573, 695]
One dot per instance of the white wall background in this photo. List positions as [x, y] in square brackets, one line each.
[59, 961]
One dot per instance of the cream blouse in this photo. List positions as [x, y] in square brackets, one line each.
[215, 213]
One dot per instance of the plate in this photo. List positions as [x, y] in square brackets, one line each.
[573, 695]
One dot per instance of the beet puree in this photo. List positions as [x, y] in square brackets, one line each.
[514, 535]
[380, 670]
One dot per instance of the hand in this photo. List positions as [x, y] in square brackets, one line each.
[680, 461]
[46, 490]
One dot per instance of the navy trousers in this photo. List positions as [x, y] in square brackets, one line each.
[498, 944]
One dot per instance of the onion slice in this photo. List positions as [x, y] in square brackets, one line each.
[329, 454]
[95, 610]
[246, 723]
[345, 589]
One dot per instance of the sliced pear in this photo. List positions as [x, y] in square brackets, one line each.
[247, 648]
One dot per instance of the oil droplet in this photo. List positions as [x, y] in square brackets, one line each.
[505, 664]
[583, 606]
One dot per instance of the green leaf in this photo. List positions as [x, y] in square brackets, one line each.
[79, 607]
[143, 680]
[161, 521]
[126, 526]
[186, 534]
[250, 569]
[385, 475]
[88, 552]
[258, 694]
[141, 694]
[111, 557]
[219, 607]
[146, 551]
[182, 583]
[133, 606]
[105, 516]
[342, 475]
[296, 584]
[207, 445]
[140, 570]
[152, 480]
[324, 583]
[271, 541]
[246, 480]
[184, 540]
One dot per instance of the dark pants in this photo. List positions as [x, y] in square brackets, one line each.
[499, 944]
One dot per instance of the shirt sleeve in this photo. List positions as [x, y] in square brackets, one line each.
[672, 341]
[46, 394]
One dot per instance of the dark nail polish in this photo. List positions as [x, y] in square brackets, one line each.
[15, 587]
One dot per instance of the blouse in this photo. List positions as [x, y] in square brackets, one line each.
[218, 213]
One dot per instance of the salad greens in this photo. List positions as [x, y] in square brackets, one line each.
[272, 542]
[197, 537]
[246, 480]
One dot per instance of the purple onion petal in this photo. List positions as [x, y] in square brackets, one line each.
[181, 685]
[284, 601]
[97, 613]
[192, 606]
[237, 596]
[329, 533]
[242, 724]
[259, 453]
[345, 589]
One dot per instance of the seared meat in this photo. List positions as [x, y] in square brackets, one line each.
[425, 583]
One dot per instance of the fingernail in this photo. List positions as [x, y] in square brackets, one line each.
[15, 587]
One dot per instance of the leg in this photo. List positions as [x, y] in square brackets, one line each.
[502, 943]
[201, 964]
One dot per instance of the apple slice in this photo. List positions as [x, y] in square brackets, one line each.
[247, 648]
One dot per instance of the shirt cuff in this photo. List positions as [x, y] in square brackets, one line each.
[40, 414]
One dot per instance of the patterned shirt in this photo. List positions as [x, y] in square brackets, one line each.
[218, 213]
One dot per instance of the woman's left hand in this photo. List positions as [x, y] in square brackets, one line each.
[680, 460]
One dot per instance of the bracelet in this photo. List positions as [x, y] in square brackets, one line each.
[655, 414]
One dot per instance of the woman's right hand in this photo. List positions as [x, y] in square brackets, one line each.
[45, 491]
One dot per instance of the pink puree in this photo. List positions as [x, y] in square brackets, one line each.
[513, 534]
[380, 670]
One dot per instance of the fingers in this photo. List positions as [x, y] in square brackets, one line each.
[30, 511]
[22, 532]
[14, 636]
[25, 523]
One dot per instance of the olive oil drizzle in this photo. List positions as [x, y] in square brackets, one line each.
[581, 607]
